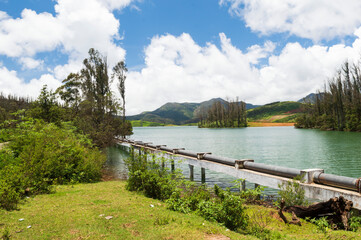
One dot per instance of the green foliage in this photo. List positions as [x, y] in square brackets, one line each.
[91, 103]
[338, 107]
[355, 223]
[276, 108]
[321, 223]
[150, 177]
[46, 107]
[40, 155]
[227, 114]
[147, 175]
[292, 193]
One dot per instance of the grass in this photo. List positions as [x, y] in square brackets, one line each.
[141, 123]
[80, 211]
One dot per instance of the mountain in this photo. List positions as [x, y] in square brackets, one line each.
[310, 98]
[178, 113]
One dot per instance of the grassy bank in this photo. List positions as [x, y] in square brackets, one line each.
[80, 211]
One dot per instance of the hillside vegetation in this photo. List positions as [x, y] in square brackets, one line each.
[179, 113]
[277, 112]
[339, 105]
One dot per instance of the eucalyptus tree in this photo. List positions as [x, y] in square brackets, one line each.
[89, 94]
[119, 73]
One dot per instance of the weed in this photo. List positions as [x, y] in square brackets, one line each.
[161, 221]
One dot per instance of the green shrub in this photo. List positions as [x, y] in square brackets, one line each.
[321, 223]
[355, 223]
[12, 186]
[42, 154]
[147, 175]
[292, 193]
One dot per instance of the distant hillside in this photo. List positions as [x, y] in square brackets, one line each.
[178, 113]
[310, 98]
[275, 112]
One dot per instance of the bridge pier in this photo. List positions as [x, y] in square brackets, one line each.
[242, 185]
[191, 172]
[203, 175]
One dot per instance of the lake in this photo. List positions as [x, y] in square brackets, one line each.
[335, 152]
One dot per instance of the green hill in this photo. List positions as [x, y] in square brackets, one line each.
[275, 112]
[177, 113]
[186, 113]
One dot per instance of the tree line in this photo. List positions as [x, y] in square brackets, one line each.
[86, 100]
[338, 106]
[228, 114]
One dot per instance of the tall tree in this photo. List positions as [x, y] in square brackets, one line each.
[119, 72]
[89, 94]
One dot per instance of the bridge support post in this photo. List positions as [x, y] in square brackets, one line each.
[203, 175]
[191, 172]
[243, 185]
[172, 166]
[308, 174]
[256, 186]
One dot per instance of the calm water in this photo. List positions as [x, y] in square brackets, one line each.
[335, 152]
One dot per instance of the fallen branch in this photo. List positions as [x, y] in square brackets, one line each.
[337, 208]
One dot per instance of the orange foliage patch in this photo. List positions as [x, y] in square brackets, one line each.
[268, 124]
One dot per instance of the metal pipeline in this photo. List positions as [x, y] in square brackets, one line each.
[223, 160]
[163, 148]
[275, 170]
[321, 178]
[337, 181]
[152, 146]
[187, 153]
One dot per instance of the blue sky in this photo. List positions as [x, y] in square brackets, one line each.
[181, 50]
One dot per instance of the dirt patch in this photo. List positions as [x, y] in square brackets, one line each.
[3, 144]
[216, 237]
[269, 124]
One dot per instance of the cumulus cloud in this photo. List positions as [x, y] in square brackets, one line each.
[75, 27]
[10, 83]
[178, 69]
[316, 20]
[30, 63]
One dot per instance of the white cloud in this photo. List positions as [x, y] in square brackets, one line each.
[3, 15]
[76, 27]
[30, 63]
[10, 83]
[316, 20]
[179, 70]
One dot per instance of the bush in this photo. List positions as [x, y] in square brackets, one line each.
[355, 223]
[147, 175]
[40, 155]
[292, 193]
[12, 186]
